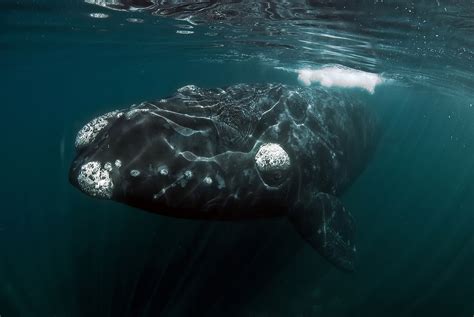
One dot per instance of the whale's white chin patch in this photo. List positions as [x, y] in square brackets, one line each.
[95, 180]
[340, 76]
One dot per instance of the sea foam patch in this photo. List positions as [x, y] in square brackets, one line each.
[340, 76]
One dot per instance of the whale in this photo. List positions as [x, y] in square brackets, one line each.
[236, 153]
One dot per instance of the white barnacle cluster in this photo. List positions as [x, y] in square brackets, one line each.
[95, 180]
[88, 132]
[163, 170]
[135, 173]
[108, 166]
[188, 174]
[270, 157]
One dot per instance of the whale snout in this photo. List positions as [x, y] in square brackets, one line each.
[148, 160]
[94, 179]
[179, 165]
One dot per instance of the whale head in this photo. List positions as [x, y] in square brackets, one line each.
[180, 164]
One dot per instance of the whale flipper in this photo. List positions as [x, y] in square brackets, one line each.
[328, 227]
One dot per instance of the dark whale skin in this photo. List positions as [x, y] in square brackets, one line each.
[234, 153]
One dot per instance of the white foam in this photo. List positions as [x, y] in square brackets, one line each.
[340, 76]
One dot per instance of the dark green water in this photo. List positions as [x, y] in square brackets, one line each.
[65, 254]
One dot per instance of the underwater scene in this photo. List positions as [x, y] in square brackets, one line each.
[237, 158]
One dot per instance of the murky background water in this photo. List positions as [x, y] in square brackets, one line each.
[64, 254]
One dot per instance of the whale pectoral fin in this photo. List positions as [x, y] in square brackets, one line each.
[328, 227]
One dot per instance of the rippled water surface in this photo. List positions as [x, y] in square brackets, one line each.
[65, 254]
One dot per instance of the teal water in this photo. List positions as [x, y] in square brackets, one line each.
[65, 254]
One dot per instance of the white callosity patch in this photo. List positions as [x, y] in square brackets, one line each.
[87, 134]
[135, 173]
[188, 174]
[163, 170]
[207, 180]
[183, 180]
[118, 163]
[340, 76]
[270, 157]
[95, 180]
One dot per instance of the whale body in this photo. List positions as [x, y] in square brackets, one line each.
[234, 153]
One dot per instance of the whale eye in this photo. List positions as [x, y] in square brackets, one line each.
[273, 164]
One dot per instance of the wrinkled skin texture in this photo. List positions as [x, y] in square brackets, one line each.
[216, 133]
